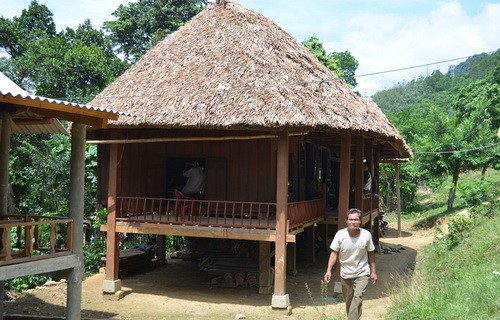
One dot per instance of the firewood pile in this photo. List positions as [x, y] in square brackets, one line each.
[231, 271]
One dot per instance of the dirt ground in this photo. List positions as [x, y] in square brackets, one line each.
[179, 290]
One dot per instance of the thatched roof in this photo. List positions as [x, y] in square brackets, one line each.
[232, 68]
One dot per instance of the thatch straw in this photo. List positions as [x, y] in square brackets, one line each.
[232, 68]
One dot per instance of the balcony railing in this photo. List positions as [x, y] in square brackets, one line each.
[300, 213]
[28, 237]
[210, 213]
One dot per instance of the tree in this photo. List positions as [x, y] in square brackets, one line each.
[140, 25]
[483, 95]
[343, 64]
[450, 121]
[17, 34]
[73, 65]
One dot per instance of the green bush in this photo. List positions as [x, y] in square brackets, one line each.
[474, 194]
[24, 283]
[92, 255]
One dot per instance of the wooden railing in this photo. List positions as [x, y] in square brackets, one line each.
[300, 213]
[28, 237]
[234, 214]
[197, 212]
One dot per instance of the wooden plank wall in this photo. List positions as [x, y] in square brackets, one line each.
[250, 166]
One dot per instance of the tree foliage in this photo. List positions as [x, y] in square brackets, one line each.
[140, 25]
[450, 120]
[74, 65]
[343, 64]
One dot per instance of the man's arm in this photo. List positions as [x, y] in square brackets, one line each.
[331, 263]
[373, 268]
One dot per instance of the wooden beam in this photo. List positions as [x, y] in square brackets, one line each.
[95, 118]
[39, 266]
[20, 122]
[201, 232]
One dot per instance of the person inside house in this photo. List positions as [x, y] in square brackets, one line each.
[367, 178]
[196, 179]
[354, 248]
[330, 195]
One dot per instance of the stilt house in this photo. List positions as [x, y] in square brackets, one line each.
[270, 125]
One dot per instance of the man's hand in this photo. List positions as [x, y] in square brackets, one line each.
[373, 277]
[328, 276]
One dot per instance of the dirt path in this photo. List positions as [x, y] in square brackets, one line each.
[180, 291]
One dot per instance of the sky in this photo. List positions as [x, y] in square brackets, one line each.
[383, 35]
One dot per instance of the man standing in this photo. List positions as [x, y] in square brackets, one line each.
[356, 253]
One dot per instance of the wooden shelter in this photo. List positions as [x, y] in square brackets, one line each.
[270, 125]
[23, 248]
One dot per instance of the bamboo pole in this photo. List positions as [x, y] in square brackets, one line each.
[187, 139]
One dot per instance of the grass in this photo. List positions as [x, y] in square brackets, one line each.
[455, 282]
[324, 302]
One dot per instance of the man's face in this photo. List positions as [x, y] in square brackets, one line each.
[353, 221]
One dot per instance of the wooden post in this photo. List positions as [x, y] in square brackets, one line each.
[344, 190]
[291, 258]
[76, 204]
[398, 196]
[359, 172]
[375, 195]
[310, 244]
[111, 283]
[265, 276]
[369, 158]
[160, 250]
[4, 179]
[280, 298]
[344, 180]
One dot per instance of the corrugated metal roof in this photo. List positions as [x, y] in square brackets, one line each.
[26, 95]
[13, 95]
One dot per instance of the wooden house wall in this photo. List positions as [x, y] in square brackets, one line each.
[250, 168]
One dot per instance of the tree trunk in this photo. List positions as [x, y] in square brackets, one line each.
[453, 190]
[483, 172]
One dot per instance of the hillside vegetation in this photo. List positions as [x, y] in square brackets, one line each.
[459, 276]
[450, 121]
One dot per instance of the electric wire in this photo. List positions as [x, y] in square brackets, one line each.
[417, 66]
[457, 151]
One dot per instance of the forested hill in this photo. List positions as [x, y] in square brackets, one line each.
[411, 94]
[449, 120]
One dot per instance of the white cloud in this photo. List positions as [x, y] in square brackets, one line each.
[386, 41]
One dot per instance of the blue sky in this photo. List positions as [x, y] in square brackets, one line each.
[381, 34]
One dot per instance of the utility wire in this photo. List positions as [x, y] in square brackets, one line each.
[460, 151]
[413, 67]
